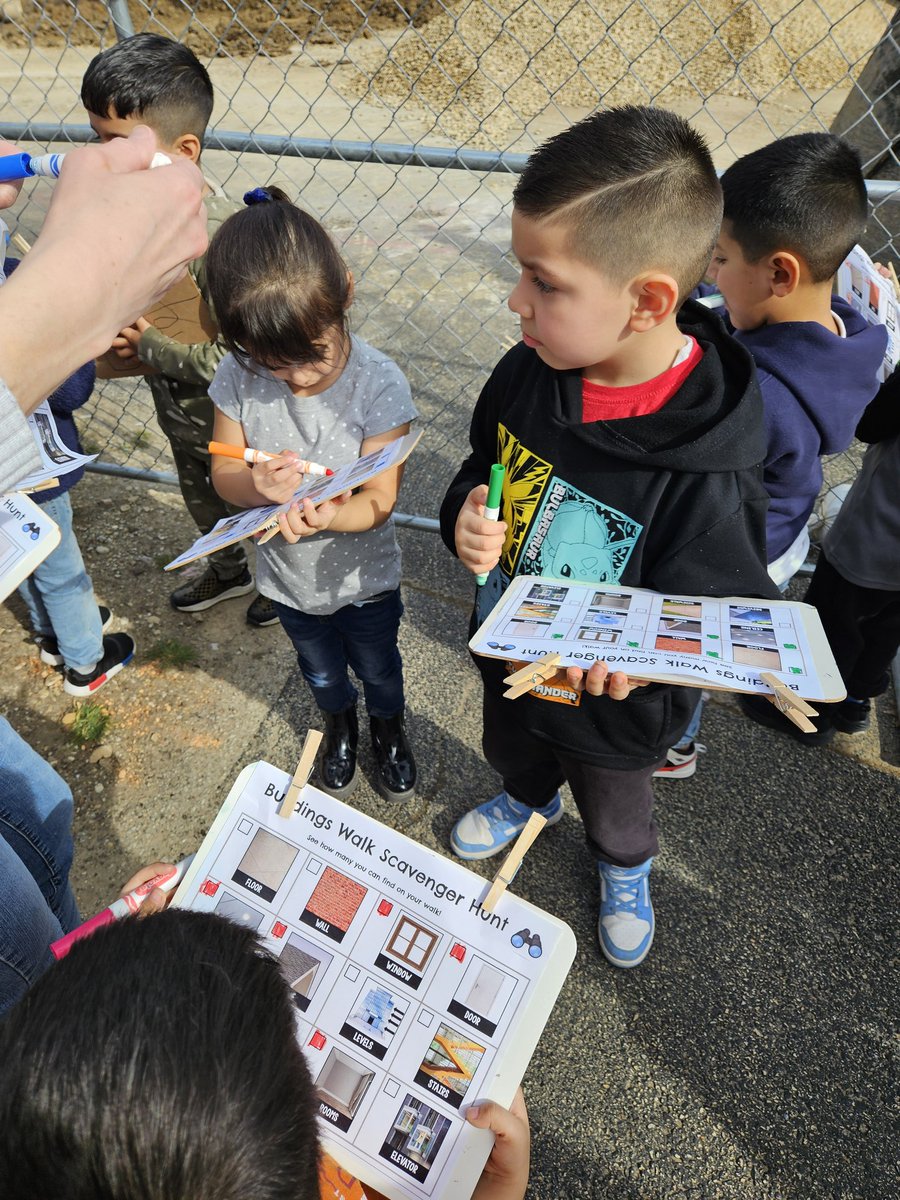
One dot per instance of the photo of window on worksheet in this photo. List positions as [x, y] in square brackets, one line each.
[408, 950]
[606, 637]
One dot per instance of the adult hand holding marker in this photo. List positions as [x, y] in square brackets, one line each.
[142, 226]
[492, 507]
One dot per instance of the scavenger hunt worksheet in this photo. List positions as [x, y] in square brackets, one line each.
[709, 642]
[27, 536]
[317, 488]
[411, 1000]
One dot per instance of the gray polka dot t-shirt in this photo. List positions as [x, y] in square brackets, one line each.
[326, 571]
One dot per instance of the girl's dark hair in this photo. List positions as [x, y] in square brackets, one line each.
[277, 283]
[157, 1061]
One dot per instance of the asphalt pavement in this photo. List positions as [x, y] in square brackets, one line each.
[750, 1056]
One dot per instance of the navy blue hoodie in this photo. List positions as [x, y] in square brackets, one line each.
[815, 387]
[71, 394]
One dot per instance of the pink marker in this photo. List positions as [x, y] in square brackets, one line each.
[123, 907]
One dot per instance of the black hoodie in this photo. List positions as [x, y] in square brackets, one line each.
[672, 501]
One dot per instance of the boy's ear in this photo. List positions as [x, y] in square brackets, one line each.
[189, 146]
[655, 298]
[784, 273]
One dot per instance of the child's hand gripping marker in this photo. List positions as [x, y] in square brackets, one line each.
[492, 506]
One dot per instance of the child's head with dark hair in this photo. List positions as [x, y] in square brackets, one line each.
[157, 1060]
[635, 189]
[804, 193]
[280, 289]
[149, 80]
[793, 212]
[613, 223]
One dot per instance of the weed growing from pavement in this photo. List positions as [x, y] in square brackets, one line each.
[90, 724]
[170, 652]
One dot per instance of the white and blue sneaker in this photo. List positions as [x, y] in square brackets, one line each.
[491, 826]
[626, 920]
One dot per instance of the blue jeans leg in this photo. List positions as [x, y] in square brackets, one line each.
[60, 597]
[693, 728]
[361, 636]
[36, 902]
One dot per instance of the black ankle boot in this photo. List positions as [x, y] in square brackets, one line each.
[396, 768]
[337, 761]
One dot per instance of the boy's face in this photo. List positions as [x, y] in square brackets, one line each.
[570, 313]
[108, 128]
[745, 286]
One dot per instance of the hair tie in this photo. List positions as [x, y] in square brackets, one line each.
[258, 195]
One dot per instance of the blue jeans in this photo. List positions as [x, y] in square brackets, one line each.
[361, 636]
[36, 901]
[60, 597]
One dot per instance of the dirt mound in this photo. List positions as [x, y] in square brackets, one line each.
[486, 71]
[207, 26]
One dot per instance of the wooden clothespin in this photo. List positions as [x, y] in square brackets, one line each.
[270, 531]
[894, 280]
[20, 243]
[789, 703]
[513, 861]
[530, 676]
[302, 774]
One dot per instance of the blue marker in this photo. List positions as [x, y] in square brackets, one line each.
[23, 166]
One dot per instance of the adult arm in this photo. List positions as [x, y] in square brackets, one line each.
[116, 237]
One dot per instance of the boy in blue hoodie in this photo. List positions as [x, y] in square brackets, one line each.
[793, 211]
[68, 623]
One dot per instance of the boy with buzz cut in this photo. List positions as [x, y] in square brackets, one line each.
[793, 211]
[631, 431]
[151, 80]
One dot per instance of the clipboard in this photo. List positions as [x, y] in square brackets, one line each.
[182, 314]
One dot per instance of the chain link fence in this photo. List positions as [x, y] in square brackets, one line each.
[402, 128]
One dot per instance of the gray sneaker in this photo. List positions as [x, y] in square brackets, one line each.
[262, 612]
[209, 589]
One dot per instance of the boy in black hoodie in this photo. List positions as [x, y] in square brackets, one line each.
[633, 446]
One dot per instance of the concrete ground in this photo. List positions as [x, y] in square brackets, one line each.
[750, 1056]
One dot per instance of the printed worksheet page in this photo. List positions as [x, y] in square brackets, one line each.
[722, 642]
[411, 1000]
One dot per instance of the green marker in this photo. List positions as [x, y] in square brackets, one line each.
[492, 505]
